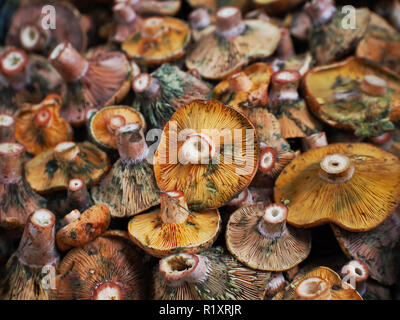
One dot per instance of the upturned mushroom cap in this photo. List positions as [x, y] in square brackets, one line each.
[376, 248]
[107, 268]
[52, 169]
[39, 127]
[103, 124]
[207, 150]
[341, 100]
[173, 228]
[161, 39]
[352, 185]
[313, 285]
[233, 44]
[257, 235]
[338, 41]
[90, 224]
[247, 88]
[380, 44]
[69, 26]
[212, 275]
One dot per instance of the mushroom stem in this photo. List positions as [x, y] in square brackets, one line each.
[240, 82]
[267, 159]
[124, 13]
[78, 196]
[284, 87]
[321, 11]
[285, 48]
[153, 28]
[385, 140]
[43, 117]
[115, 122]
[197, 149]
[11, 162]
[314, 288]
[336, 168]
[315, 140]
[276, 283]
[66, 151]
[71, 217]
[131, 143]
[199, 19]
[374, 86]
[108, 290]
[34, 38]
[146, 84]
[7, 128]
[229, 22]
[179, 268]
[13, 65]
[37, 246]
[356, 274]
[69, 62]
[272, 225]
[243, 198]
[174, 208]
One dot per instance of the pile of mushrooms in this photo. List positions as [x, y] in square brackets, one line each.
[208, 150]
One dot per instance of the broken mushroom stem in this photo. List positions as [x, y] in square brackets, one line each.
[314, 288]
[268, 157]
[321, 11]
[285, 48]
[179, 268]
[37, 246]
[33, 37]
[78, 195]
[284, 87]
[272, 224]
[199, 19]
[115, 122]
[243, 198]
[11, 162]
[315, 140]
[229, 22]
[336, 168]
[66, 151]
[147, 85]
[276, 283]
[356, 274]
[71, 217]
[131, 143]
[71, 65]
[240, 82]
[43, 117]
[124, 13]
[198, 148]
[7, 128]
[374, 86]
[174, 208]
[13, 65]
[153, 28]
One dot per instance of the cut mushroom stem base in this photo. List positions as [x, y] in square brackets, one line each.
[131, 143]
[273, 222]
[336, 168]
[11, 162]
[109, 290]
[229, 22]
[174, 208]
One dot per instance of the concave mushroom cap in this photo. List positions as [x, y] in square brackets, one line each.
[161, 39]
[376, 248]
[69, 26]
[380, 44]
[102, 78]
[173, 229]
[17, 200]
[107, 268]
[274, 7]
[333, 92]
[225, 136]
[257, 235]
[338, 291]
[40, 127]
[355, 186]
[247, 88]
[212, 275]
[104, 123]
[232, 44]
[90, 224]
[331, 41]
[52, 169]
[161, 93]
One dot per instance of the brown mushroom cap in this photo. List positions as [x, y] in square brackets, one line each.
[338, 291]
[103, 123]
[257, 235]
[90, 224]
[107, 268]
[355, 186]
[275, 7]
[161, 39]
[52, 169]
[225, 136]
[172, 229]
